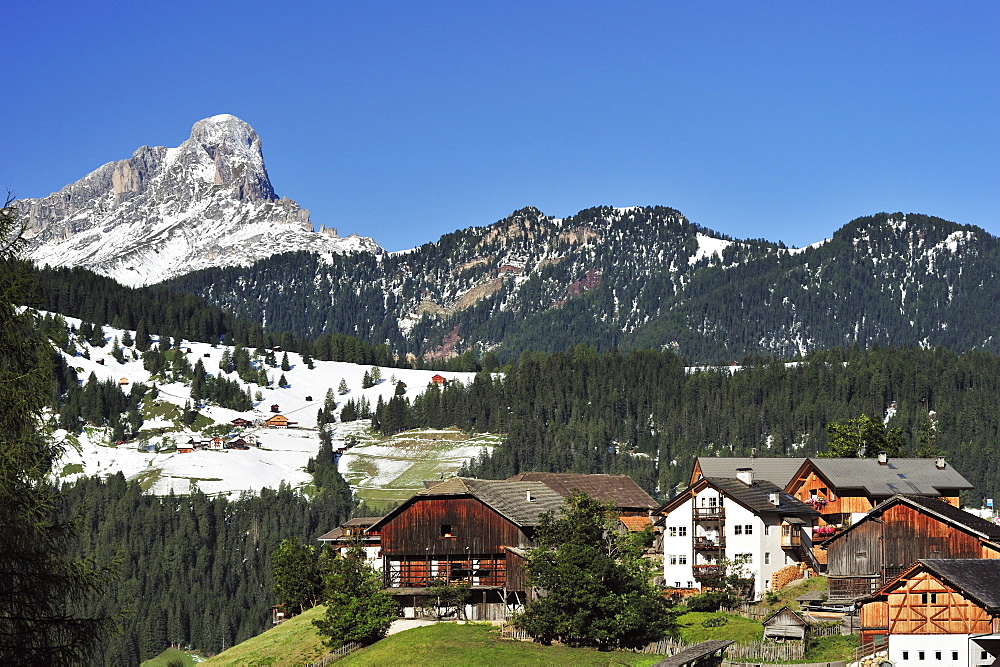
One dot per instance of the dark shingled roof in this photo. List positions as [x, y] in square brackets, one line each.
[976, 577]
[757, 496]
[696, 652]
[911, 476]
[620, 490]
[778, 471]
[932, 507]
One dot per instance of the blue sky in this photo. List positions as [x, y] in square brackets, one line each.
[406, 120]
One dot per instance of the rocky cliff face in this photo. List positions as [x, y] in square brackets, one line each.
[167, 211]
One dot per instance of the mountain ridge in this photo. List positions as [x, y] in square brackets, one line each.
[167, 211]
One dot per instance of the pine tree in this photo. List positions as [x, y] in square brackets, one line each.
[285, 366]
[39, 582]
[342, 387]
[142, 339]
[282, 382]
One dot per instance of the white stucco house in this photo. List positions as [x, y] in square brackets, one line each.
[719, 517]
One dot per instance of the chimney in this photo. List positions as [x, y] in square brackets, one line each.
[939, 463]
[527, 496]
[883, 459]
[775, 498]
[745, 475]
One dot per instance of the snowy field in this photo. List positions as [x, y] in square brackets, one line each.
[283, 454]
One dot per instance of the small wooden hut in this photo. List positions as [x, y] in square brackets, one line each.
[785, 624]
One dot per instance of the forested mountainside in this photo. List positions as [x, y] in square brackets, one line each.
[644, 414]
[635, 278]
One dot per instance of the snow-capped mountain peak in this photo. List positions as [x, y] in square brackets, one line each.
[167, 211]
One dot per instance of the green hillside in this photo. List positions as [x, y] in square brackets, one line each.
[294, 642]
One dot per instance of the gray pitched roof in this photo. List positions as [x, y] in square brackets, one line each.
[757, 496]
[620, 490]
[778, 471]
[910, 476]
[975, 577]
[509, 499]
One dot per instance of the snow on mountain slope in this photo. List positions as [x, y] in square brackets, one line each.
[283, 454]
[165, 212]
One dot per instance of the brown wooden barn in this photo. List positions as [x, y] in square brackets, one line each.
[439, 379]
[468, 530]
[895, 535]
[937, 611]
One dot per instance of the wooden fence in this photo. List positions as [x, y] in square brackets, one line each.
[752, 612]
[755, 651]
[336, 654]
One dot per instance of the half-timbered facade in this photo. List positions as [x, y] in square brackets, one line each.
[895, 535]
[940, 613]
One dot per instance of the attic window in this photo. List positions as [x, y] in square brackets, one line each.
[900, 475]
[446, 530]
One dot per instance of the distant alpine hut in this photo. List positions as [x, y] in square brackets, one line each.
[309, 398]
[275, 408]
[100, 362]
[207, 354]
[239, 422]
[278, 421]
[218, 443]
[184, 449]
[785, 624]
[188, 351]
[123, 382]
[252, 440]
[239, 443]
[439, 379]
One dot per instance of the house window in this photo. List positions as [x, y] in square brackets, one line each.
[787, 559]
[673, 531]
[673, 560]
[748, 529]
[767, 529]
[954, 655]
[446, 530]
[767, 558]
[682, 531]
[749, 557]
[937, 655]
[906, 655]
[690, 584]
[920, 655]
[737, 529]
[682, 559]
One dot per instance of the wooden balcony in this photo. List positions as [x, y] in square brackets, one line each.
[709, 544]
[791, 541]
[707, 571]
[709, 513]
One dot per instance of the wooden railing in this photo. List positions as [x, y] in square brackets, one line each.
[704, 543]
[709, 513]
[707, 570]
[793, 541]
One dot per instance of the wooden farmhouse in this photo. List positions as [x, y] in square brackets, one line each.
[746, 517]
[785, 624]
[844, 490]
[465, 530]
[939, 612]
[240, 422]
[895, 535]
[279, 421]
[439, 379]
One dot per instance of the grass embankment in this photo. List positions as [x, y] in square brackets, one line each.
[740, 629]
[294, 642]
[172, 656]
[787, 595]
[453, 645]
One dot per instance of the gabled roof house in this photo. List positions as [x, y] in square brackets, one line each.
[895, 535]
[746, 517]
[937, 612]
